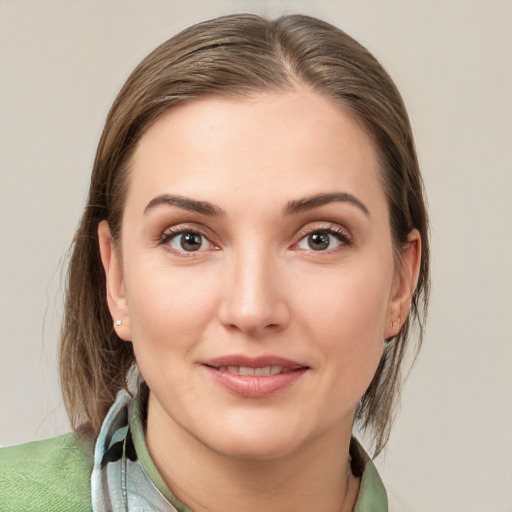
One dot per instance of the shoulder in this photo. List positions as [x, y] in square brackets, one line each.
[47, 475]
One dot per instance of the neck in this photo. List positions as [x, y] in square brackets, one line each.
[208, 481]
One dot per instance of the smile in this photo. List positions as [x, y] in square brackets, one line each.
[254, 377]
[263, 371]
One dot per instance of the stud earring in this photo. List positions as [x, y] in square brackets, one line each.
[119, 322]
[397, 322]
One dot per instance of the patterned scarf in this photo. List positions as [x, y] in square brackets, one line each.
[119, 482]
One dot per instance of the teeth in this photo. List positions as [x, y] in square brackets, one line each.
[245, 370]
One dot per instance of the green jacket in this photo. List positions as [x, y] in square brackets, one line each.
[55, 476]
[50, 476]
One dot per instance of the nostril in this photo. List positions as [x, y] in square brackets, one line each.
[251, 309]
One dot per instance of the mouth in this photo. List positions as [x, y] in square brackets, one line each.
[255, 377]
[261, 371]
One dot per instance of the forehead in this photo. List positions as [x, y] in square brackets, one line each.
[274, 144]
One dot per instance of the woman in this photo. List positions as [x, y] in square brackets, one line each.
[242, 283]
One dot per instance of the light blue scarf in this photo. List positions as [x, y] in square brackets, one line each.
[119, 482]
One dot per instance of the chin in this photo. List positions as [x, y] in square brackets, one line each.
[256, 440]
[255, 449]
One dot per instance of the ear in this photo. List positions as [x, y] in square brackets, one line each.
[116, 297]
[404, 284]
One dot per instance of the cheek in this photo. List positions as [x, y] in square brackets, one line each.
[346, 318]
[354, 305]
[169, 313]
[168, 309]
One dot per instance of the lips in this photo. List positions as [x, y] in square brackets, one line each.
[263, 371]
[254, 377]
[253, 362]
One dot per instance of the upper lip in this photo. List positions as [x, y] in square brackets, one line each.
[253, 362]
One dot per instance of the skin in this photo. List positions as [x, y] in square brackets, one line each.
[256, 287]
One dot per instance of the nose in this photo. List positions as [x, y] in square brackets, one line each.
[254, 296]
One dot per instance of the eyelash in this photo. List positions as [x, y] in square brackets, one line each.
[342, 235]
[175, 231]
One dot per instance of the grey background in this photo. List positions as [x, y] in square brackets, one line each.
[61, 64]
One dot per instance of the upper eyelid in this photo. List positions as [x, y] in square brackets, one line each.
[187, 228]
[323, 226]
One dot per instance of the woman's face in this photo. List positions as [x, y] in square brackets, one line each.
[255, 276]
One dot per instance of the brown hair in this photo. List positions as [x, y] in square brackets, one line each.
[235, 56]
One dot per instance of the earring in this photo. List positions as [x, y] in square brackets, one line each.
[118, 322]
[397, 322]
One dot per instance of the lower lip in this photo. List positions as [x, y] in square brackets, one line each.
[255, 386]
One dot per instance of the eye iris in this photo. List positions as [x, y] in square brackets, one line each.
[191, 241]
[318, 241]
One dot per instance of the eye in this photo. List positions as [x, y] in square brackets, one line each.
[187, 241]
[322, 240]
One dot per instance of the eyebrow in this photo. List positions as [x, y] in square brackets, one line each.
[295, 206]
[202, 207]
[308, 203]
